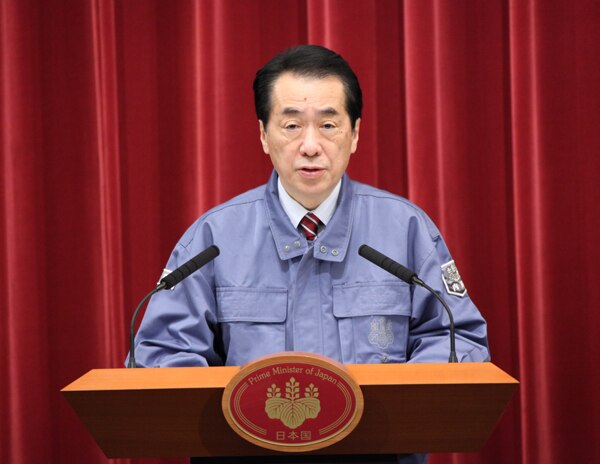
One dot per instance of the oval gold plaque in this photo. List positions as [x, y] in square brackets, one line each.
[293, 402]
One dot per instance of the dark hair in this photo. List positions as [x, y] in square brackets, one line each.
[306, 61]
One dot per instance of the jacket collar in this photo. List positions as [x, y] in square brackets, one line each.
[330, 245]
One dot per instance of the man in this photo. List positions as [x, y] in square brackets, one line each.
[289, 276]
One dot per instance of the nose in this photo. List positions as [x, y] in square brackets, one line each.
[311, 145]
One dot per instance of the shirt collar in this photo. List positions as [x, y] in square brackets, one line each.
[295, 211]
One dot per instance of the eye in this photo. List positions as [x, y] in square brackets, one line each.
[328, 125]
[292, 126]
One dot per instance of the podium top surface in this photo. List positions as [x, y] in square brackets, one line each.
[365, 374]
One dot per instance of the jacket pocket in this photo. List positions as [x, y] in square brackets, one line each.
[373, 320]
[252, 322]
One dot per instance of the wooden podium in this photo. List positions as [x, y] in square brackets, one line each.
[176, 412]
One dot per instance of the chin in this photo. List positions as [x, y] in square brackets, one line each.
[313, 200]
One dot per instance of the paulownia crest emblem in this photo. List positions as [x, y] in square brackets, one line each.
[292, 410]
[381, 334]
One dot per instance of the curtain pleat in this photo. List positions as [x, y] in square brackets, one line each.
[123, 121]
[107, 132]
[24, 408]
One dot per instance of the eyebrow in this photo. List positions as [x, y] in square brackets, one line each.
[290, 111]
[328, 111]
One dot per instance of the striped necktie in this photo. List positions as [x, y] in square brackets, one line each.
[310, 225]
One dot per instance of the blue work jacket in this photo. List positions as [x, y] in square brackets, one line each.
[271, 290]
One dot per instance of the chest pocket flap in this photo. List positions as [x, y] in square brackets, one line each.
[236, 304]
[372, 299]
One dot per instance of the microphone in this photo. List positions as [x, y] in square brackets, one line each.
[186, 269]
[167, 282]
[411, 278]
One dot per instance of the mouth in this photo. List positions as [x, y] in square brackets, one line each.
[311, 171]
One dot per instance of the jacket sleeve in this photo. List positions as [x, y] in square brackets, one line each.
[179, 327]
[429, 334]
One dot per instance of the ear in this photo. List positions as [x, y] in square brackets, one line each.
[263, 137]
[355, 136]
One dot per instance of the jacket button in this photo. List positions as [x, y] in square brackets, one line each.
[334, 252]
[323, 249]
[287, 248]
[297, 243]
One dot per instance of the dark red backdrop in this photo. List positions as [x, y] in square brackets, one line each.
[122, 121]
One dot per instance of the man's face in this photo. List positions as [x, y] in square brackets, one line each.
[309, 136]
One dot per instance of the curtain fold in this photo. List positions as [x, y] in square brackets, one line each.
[123, 121]
[109, 179]
[25, 409]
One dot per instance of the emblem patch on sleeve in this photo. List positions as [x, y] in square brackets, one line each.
[452, 280]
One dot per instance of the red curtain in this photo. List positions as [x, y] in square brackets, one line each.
[122, 121]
